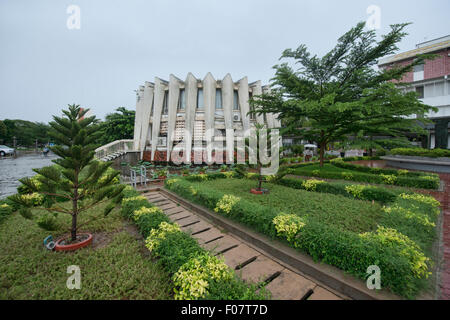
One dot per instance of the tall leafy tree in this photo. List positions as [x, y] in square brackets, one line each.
[78, 178]
[118, 125]
[325, 99]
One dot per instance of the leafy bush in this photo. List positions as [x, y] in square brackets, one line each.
[5, 211]
[288, 226]
[47, 221]
[193, 277]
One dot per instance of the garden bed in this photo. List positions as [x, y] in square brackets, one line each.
[339, 230]
[352, 172]
[117, 268]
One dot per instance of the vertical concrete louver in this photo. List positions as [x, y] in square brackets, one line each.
[243, 102]
[227, 101]
[138, 117]
[209, 95]
[257, 90]
[191, 106]
[174, 94]
[150, 122]
[147, 104]
[269, 116]
[157, 108]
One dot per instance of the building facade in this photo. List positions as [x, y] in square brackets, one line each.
[189, 114]
[431, 81]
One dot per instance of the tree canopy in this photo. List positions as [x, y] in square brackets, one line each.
[325, 99]
[117, 126]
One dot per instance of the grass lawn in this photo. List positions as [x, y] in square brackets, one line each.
[117, 266]
[344, 213]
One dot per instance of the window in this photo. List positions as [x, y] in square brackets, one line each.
[200, 101]
[418, 72]
[182, 100]
[435, 89]
[419, 68]
[218, 99]
[165, 109]
[235, 100]
[419, 91]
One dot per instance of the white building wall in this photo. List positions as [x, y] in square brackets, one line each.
[149, 109]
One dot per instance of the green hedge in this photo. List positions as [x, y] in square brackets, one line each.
[422, 182]
[366, 169]
[177, 251]
[349, 251]
[368, 193]
[419, 152]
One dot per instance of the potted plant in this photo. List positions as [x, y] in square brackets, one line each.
[77, 178]
[162, 174]
[223, 168]
[185, 172]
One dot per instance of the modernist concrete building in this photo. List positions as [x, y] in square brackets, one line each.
[432, 82]
[178, 113]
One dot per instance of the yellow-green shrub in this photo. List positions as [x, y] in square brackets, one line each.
[144, 211]
[156, 235]
[288, 225]
[311, 185]
[390, 237]
[192, 279]
[225, 205]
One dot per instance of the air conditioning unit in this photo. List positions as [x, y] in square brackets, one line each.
[236, 117]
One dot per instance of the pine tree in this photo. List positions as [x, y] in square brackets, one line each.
[77, 177]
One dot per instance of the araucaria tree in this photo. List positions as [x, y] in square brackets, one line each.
[329, 98]
[77, 178]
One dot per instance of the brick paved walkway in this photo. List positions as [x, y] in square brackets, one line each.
[444, 199]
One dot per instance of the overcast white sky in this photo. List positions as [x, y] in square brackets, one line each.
[44, 66]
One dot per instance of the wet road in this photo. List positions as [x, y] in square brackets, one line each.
[11, 170]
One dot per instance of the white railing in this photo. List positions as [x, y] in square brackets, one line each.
[115, 146]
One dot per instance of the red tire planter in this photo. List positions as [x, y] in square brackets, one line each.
[75, 246]
[254, 191]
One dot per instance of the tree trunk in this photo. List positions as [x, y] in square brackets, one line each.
[322, 149]
[73, 230]
[259, 178]
[322, 153]
[75, 208]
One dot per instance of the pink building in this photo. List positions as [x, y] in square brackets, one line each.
[432, 82]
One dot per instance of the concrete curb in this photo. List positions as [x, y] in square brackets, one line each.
[332, 277]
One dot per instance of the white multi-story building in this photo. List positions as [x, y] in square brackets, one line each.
[176, 113]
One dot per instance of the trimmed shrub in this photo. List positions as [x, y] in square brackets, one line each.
[422, 182]
[196, 273]
[369, 193]
[420, 152]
